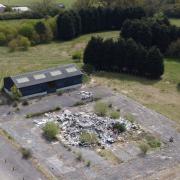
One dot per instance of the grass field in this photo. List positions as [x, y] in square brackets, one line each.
[161, 95]
[175, 22]
[67, 3]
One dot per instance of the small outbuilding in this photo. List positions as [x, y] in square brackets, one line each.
[2, 8]
[21, 9]
[43, 82]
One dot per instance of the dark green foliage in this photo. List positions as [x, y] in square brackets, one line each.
[26, 153]
[73, 23]
[44, 32]
[174, 49]
[154, 66]
[50, 130]
[124, 56]
[65, 26]
[151, 32]
[119, 127]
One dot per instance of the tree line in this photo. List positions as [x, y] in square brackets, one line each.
[151, 32]
[125, 56]
[71, 23]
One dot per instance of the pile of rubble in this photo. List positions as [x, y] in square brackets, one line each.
[74, 124]
[86, 95]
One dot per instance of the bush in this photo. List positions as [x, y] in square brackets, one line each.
[25, 103]
[101, 108]
[152, 141]
[178, 86]
[26, 153]
[77, 56]
[20, 43]
[2, 39]
[44, 32]
[28, 31]
[13, 45]
[119, 127]
[88, 68]
[79, 156]
[88, 138]
[129, 117]
[114, 115]
[144, 147]
[50, 130]
[174, 49]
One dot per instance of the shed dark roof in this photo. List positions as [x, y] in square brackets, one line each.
[42, 76]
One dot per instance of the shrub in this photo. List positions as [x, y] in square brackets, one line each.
[174, 49]
[152, 141]
[2, 39]
[26, 153]
[178, 86]
[13, 45]
[114, 115]
[144, 147]
[25, 103]
[79, 156]
[44, 32]
[20, 43]
[88, 68]
[101, 108]
[27, 30]
[50, 130]
[23, 43]
[119, 127]
[129, 117]
[88, 163]
[77, 56]
[88, 138]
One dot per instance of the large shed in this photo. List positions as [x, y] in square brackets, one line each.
[45, 81]
[2, 8]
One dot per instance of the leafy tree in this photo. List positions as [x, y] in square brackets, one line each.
[50, 130]
[154, 66]
[66, 27]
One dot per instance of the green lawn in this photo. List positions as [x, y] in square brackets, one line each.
[43, 56]
[161, 95]
[67, 3]
[175, 22]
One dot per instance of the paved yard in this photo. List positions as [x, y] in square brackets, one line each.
[63, 163]
[13, 167]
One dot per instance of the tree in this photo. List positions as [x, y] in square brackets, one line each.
[50, 130]
[66, 26]
[154, 66]
[44, 32]
[93, 53]
[138, 30]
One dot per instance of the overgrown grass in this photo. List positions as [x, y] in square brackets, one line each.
[43, 56]
[109, 155]
[160, 95]
[67, 3]
[175, 21]
[88, 138]
[36, 114]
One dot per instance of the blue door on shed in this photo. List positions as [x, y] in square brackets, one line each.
[51, 87]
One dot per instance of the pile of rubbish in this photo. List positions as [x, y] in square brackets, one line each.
[86, 95]
[74, 124]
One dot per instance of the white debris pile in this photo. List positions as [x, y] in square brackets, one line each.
[85, 95]
[74, 124]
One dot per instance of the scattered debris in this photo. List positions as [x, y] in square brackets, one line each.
[74, 124]
[86, 95]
